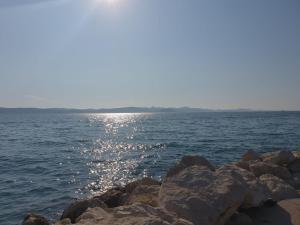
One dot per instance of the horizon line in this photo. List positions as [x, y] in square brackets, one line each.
[157, 108]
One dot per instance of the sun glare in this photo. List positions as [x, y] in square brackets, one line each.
[112, 1]
[108, 2]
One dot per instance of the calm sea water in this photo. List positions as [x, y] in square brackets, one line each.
[48, 160]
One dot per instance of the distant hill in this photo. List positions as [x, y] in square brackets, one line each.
[113, 110]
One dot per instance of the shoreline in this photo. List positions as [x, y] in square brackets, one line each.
[195, 191]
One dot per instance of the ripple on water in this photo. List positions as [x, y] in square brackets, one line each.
[48, 160]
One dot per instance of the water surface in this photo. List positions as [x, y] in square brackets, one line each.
[47, 160]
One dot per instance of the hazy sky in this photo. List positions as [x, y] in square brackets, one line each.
[112, 53]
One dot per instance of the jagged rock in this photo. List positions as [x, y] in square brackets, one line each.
[113, 197]
[34, 219]
[294, 166]
[279, 157]
[79, 207]
[188, 161]
[242, 164]
[251, 155]
[145, 181]
[138, 214]
[292, 207]
[257, 193]
[286, 212]
[295, 180]
[279, 188]
[240, 219]
[146, 194]
[202, 196]
[66, 221]
[260, 168]
[296, 154]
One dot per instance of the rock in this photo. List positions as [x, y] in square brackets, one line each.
[114, 197]
[294, 166]
[188, 161]
[295, 180]
[243, 164]
[240, 219]
[260, 168]
[66, 221]
[279, 157]
[79, 207]
[203, 196]
[250, 155]
[145, 181]
[296, 154]
[292, 207]
[146, 194]
[34, 219]
[286, 212]
[138, 214]
[257, 193]
[279, 188]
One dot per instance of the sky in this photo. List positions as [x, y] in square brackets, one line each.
[113, 53]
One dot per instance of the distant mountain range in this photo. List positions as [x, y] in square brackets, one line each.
[115, 110]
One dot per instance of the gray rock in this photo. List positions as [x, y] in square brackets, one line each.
[113, 197]
[146, 181]
[295, 180]
[79, 207]
[137, 214]
[202, 196]
[146, 194]
[240, 219]
[66, 221]
[296, 154]
[279, 157]
[35, 219]
[294, 166]
[279, 189]
[243, 164]
[260, 168]
[251, 155]
[286, 212]
[188, 161]
[257, 193]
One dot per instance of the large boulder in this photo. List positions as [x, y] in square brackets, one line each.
[240, 219]
[203, 196]
[146, 181]
[279, 157]
[146, 194]
[79, 207]
[295, 181]
[294, 166]
[137, 214]
[279, 188]
[296, 154]
[257, 193]
[188, 161]
[286, 212]
[243, 164]
[260, 168]
[35, 219]
[113, 197]
[65, 221]
[251, 155]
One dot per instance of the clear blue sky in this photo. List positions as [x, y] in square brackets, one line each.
[112, 53]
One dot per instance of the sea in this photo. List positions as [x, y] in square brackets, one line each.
[47, 160]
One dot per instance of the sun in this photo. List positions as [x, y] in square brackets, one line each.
[112, 2]
[109, 2]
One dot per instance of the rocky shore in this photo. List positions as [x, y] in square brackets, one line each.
[257, 190]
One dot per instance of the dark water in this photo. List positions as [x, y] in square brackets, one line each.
[47, 160]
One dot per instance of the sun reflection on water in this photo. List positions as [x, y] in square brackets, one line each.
[114, 157]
